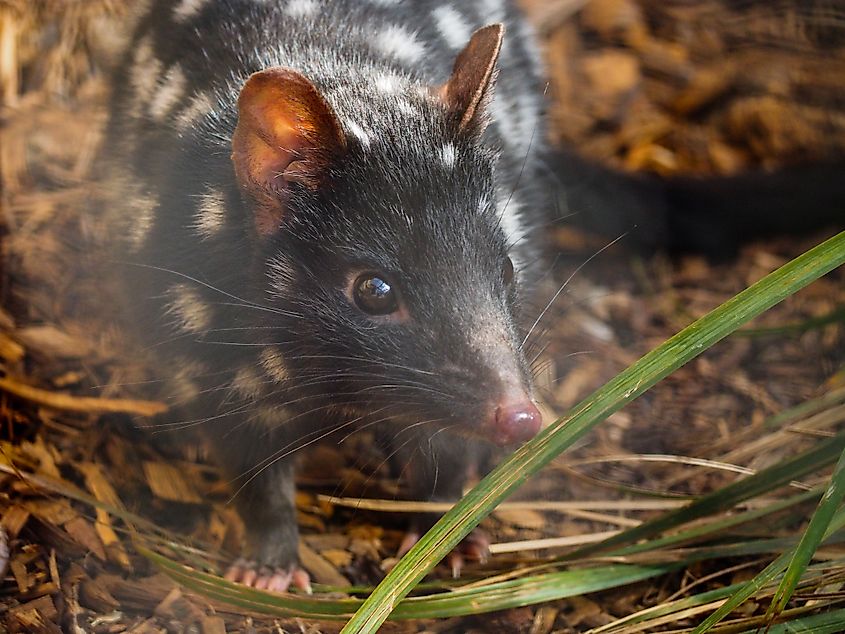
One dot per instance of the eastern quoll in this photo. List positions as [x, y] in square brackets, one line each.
[328, 208]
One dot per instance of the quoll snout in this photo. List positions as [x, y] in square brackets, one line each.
[515, 421]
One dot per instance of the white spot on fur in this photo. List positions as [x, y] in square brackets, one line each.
[504, 119]
[389, 83]
[210, 214]
[187, 9]
[452, 26]
[516, 119]
[493, 11]
[145, 70]
[171, 90]
[281, 274]
[406, 107]
[141, 210]
[270, 415]
[358, 132]
[528, 118]
[449, 155]
[274, 364]
[301, 8]
[198, 107]
[183, 388]
[400, 43]
[246, 383]
[187, 310]
[508, 211]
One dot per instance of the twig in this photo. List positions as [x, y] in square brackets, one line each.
[68, 402]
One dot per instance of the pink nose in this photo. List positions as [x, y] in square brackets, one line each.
[515, 423]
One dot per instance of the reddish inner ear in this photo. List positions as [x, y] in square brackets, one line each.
[286, 133]
[471, 85]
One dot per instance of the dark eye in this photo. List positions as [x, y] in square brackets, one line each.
[374, 295]
[507, 271]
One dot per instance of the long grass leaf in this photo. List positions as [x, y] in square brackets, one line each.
[812, 537]
[561, 434]
[477, 599]
[769, 573]
[763, 481]
[673, 611]
[832, 622]
[718, 525]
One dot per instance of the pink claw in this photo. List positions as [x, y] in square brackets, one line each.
[411, 538]
[235, 571]
[301, 580]
[270, 579]
[474, 547]
[249, 576]
[456, 564]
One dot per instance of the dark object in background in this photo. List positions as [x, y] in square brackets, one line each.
[710, 215]
[697, 125]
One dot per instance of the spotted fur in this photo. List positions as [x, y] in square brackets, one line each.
[284, 353]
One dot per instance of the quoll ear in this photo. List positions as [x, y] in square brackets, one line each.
[470, 88]
[286, 133]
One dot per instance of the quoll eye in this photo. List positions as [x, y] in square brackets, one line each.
[507, 271]
[374, 294]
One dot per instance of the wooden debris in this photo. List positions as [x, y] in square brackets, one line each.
[38, 616]
[53, 342]
[102, 489]
[175, 607]
[322, 571]
[168, 483]
[71, 403]
[544, 620]
[10, 350]
[739, 85]
[213, 625]
[13, 520]
[95, 596]
[82, 531]
[5, 551]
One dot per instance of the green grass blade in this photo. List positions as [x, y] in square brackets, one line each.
[682, 609]
[748, 590]
[835, 316]
[806, 409]
[812, 537]
[561, 434]
[765, 577]
[763, 481]
[477, 599]
[832, 622]
[718, 525]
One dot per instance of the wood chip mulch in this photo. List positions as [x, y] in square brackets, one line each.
[70, 420]
[678, 87]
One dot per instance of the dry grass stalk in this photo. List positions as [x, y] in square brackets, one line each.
[67, 402]
[9, 69]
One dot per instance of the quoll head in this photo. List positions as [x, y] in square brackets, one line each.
[389, 265]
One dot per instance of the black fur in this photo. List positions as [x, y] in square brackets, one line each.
[391, 206]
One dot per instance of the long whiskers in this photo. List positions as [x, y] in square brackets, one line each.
[242, 303]
[286, 451]
[566, 283]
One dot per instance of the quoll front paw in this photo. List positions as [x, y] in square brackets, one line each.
[474, 547]
[274, 579]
